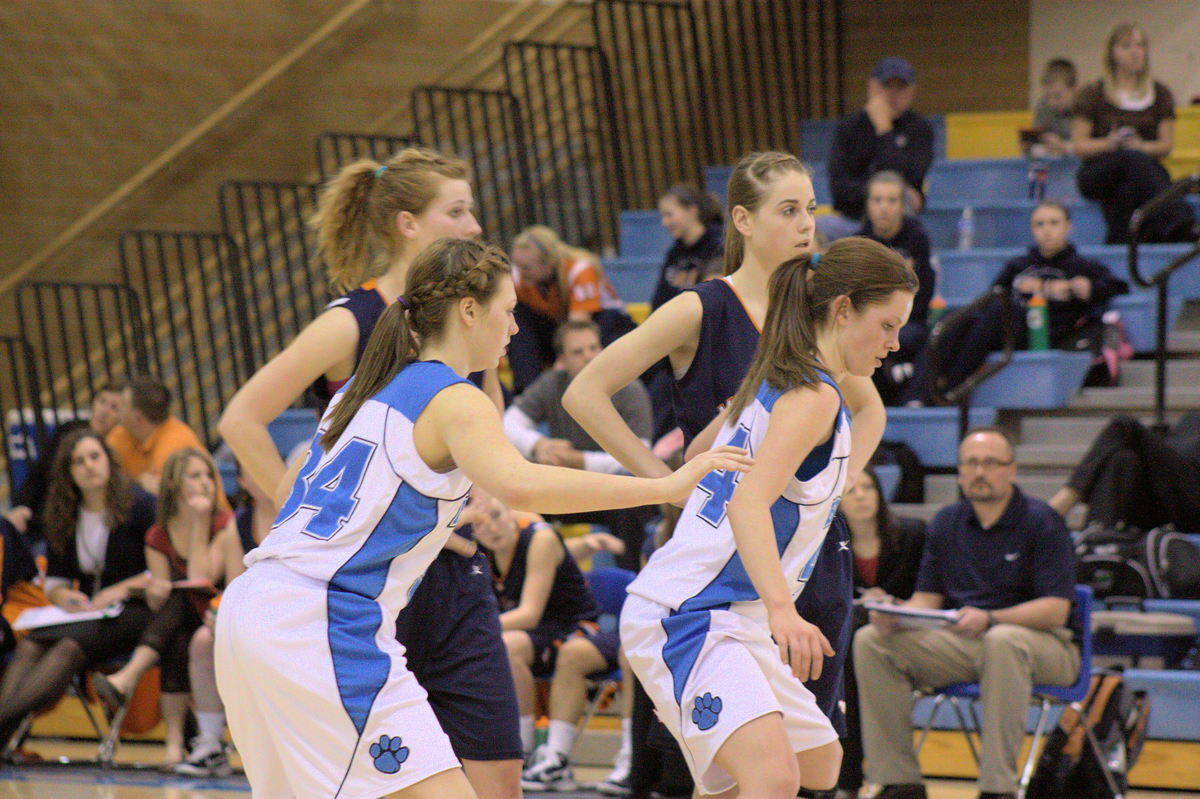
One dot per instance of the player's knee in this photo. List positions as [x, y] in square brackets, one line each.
[819, 767]
[577, 656]
[201, 645]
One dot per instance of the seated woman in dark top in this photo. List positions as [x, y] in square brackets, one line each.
[887, 554]
[95, 521]
[549, 617]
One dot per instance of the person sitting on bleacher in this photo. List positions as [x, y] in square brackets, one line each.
[1003, 562]
[1054, 111]
[186, 543]
[147, 434]
[884, 134]
[888, 224]
[549, 620]
[556, 282]
[95, 521]
[576, 343]
[29, 500]
[1076, 290]
[1124, 125]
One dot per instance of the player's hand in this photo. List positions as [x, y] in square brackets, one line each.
[604, 542]
[723, 458]
[884, 622]
[972, 623]
[801, 645]
[877, 107]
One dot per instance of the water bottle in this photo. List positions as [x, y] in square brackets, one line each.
[1038, 172]
[966, 229]
[937, 309]
[1037, 321]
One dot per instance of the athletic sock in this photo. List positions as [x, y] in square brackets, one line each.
[526, 723]
[560, 737]
[212, 725]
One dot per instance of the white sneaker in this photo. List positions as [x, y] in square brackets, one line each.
[207, 759]
[617, 783]
[549, 772]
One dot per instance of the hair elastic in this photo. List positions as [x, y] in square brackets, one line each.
[404, 303]
[379, 170]
[812, 262]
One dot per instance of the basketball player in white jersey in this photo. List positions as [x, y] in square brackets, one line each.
[319, 699]
[710, 626]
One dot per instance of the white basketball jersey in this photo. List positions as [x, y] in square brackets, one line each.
[369, 516]
[700, 569]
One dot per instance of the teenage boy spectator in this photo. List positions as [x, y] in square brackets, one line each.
[1004, 562]
[888, 224]
[576, 343]
[884, 134]
[1054, 110]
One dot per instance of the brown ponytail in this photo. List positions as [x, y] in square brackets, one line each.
[442, 274]
[355, 220]
[801, 295]
[748, 186]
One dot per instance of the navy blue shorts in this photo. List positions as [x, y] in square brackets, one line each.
[828, 602]
[547, 638]
[451, 631]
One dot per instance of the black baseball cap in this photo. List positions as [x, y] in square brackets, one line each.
[890, 68]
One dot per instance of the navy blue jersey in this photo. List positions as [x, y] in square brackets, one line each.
[728, 338]
[570, 599]
[367, 305]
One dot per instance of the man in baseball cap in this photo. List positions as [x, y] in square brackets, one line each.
[884, 134]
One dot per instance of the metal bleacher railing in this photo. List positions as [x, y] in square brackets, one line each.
[1158, 281]
[23, 431]
[194, 312]
[82, 335]
[335, 148]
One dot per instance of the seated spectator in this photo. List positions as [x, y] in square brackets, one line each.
[887, 552]
[19, 584]
[884, 134]
[185, 544]
[1003, 562]
[1134, 476]
[549, 620]
[1076, 289]
[254, 514]
[29, 500]
[576, 343]
[1124, 126]
[694, 220]
[556, 282]
[888, 224]
[147, 433]
[95, 522]
[1054, 111]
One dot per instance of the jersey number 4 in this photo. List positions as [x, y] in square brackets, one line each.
[333, 491]
[719, 485]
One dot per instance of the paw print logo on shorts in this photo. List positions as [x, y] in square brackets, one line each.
[704, 714]
[389, 754]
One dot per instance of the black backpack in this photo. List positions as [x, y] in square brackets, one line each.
[1126, 562]
[1097, 741]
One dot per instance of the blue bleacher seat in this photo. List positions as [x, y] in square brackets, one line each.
[292, 427]
[1006, 223]
[716, 179]
[969, 181]
[816, 138]
[1173, 701]
[1139, 316]
[933, 432]
[227, 468]
[641, 234]
[1046, 379]
[889, 478]
[634, 278]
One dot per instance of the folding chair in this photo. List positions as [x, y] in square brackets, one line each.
[608, 589]
[1047, 695]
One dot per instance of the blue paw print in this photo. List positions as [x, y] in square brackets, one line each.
[389, 754]
[704, 714]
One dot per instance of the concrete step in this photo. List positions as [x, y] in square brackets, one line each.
[943, 488]
[1187, 340]
[1051, 454]
[1069, 430]
[1180, 371]
[1136, 398]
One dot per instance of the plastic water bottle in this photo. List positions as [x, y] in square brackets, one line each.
[966, 229]
[1038, 172]
[937, 309]
[1037, 321]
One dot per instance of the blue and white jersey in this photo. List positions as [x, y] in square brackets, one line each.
[369, 516]
[700, 568]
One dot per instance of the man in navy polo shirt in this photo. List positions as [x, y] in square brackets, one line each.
[1004, 562]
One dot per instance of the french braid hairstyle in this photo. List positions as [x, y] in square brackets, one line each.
[443, 273]
[355, 220]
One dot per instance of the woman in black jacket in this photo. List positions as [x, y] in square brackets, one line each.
[95, 521]
[887, 554]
